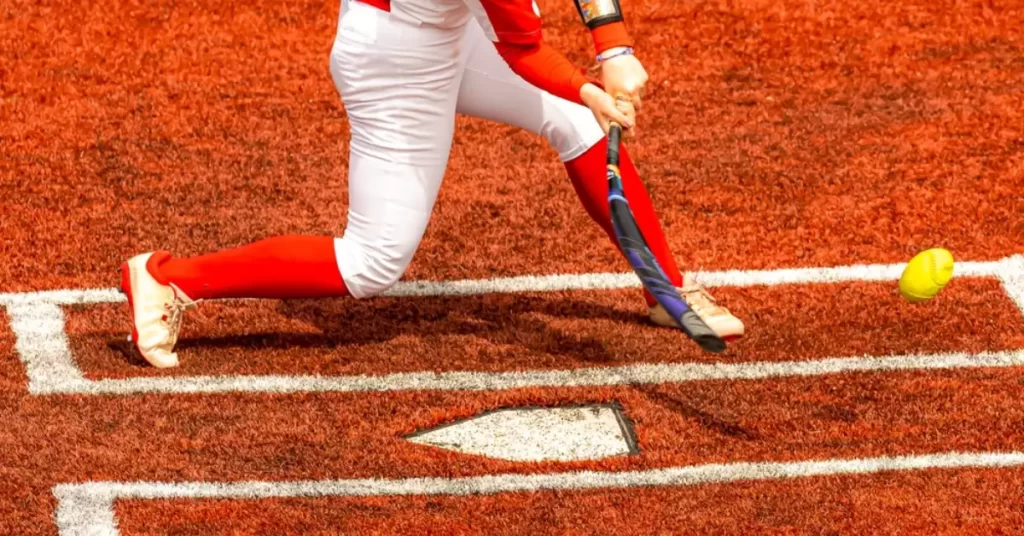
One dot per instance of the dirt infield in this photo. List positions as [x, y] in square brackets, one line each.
[775, 134]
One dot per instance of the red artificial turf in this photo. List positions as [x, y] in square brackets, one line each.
[774, 134]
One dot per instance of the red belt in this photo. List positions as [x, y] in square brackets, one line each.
[383, 5]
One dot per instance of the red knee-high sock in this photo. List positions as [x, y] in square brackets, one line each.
[280, 267]
[591, 183]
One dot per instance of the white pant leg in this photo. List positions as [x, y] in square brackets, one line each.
[491, 90]
[399, 83]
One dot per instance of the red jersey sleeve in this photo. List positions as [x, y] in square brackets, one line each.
[611, 36]
[514, 27]
[546, 68]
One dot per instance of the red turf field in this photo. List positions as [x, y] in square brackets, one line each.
[776, 134]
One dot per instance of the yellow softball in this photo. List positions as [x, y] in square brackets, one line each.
[926, 274]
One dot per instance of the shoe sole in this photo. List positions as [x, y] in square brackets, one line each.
[126, 289]
[727, 338]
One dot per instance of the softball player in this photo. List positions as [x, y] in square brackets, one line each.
[404, 68]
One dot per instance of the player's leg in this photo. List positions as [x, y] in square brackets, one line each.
[490, 90]
[399, 84]
[389, 207]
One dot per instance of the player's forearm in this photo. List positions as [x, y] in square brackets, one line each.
[611, 36]
[546, 68]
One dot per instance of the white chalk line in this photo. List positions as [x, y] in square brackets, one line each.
[42, 344]
[593, 281]
[1011, 274]
[87, 508]
[640, 374]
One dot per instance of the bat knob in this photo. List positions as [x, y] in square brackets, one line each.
[701, 334]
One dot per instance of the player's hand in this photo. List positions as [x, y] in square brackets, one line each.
[624, 75]
[606, 109]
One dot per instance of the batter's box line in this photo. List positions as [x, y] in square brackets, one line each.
[38, 323]
[88, 508]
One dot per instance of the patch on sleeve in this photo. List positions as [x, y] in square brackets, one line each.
[599, 12]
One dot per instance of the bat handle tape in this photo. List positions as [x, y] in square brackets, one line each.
[614, 139]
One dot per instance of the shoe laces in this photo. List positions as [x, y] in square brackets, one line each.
[176, 309]
[699, 299]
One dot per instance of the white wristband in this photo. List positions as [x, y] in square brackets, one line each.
[614, 52]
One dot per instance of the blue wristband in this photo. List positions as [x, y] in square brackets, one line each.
[627, 51]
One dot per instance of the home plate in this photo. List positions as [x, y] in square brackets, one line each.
[538, 434]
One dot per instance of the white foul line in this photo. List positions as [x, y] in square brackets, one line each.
[42, 344]
[87, 508]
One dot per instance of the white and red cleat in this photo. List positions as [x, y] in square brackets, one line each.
[156, 309]
[718, 318]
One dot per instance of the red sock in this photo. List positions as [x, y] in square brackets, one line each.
[280, 267]
[591, 183]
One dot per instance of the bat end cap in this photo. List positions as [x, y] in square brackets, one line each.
[710, 343]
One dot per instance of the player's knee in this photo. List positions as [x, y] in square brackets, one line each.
[382, 272]
[371, 270]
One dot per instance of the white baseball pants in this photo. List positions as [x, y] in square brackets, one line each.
[402, 85]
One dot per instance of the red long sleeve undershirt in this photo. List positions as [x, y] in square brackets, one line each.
[611, 36]
[546, 68]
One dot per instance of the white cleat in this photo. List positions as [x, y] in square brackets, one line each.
[718, 318]
[156, 311]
